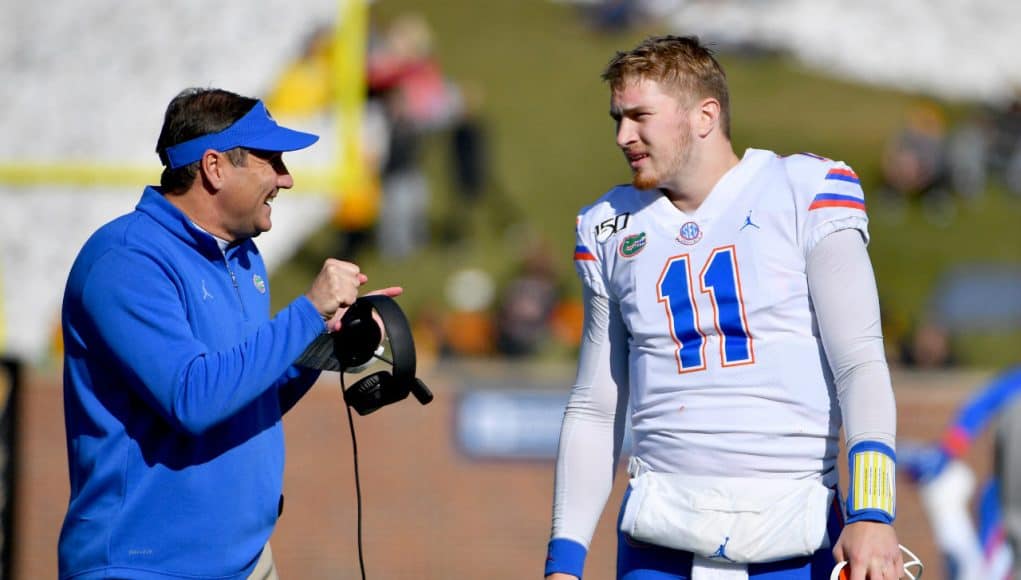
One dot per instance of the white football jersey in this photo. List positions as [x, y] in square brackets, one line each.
[727, 371]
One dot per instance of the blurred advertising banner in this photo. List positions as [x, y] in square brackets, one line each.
[511, 424]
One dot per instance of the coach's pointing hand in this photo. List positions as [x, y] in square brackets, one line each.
[333, 325]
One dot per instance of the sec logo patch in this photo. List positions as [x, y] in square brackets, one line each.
[690, 234]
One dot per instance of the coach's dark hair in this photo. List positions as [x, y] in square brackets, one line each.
[195, 112]
[681, 62]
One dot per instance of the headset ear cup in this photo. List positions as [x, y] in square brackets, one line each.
[366, 394]
[372, 392]
[355, 343]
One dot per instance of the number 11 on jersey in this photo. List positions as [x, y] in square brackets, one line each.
[720, 279]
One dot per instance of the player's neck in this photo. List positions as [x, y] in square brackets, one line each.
[696, 181]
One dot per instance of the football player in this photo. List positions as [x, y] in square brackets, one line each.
[732, 317]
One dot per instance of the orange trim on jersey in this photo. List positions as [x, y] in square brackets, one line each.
[583, 253]
[837, 203]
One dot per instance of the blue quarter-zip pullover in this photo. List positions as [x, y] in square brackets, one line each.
[175, 381]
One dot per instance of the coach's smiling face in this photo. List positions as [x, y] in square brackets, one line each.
[247, 191]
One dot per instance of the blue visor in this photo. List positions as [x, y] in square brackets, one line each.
[256, 130]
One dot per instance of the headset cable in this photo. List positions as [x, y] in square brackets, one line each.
[358, 485]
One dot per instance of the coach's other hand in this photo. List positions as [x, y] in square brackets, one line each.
[335, 287]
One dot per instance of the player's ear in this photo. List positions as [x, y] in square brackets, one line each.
[706, 115]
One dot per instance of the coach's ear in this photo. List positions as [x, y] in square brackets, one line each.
[212, 166]
[705, 117]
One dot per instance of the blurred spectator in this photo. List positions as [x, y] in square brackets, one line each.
[525, 313]
[469, 153]
[470, 172]
[913, 164]
[987, 144]
[929, 346]
[468, 325]
[403, 222]
[403, 60]
[408, 96]
[967, 155]
[1005, 145]
[416, 97]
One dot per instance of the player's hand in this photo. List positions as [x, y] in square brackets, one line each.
[871, 551]
[333, 324]
[336, 286]
[561, 576]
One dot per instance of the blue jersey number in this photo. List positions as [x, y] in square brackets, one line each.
[719, 278]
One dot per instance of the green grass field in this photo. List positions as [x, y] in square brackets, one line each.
[552, 152]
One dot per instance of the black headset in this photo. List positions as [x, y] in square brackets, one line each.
[355, 344]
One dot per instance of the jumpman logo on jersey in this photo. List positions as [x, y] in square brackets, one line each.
[721, 552]
[748, 221]
[206, 294]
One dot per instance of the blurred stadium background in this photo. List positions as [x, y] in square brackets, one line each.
[483, 125]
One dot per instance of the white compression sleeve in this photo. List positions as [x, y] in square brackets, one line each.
[843, 289]
[593, 428]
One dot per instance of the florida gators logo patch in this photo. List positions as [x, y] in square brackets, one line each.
[631, 245]
[259, 283]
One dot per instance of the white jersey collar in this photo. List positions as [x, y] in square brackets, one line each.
[727, 188]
